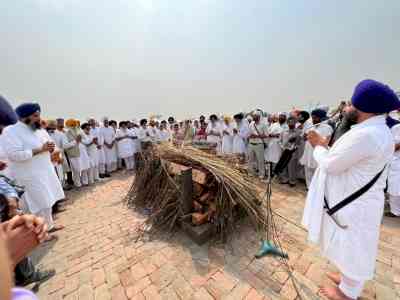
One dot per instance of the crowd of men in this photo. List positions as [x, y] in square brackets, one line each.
[45, 157]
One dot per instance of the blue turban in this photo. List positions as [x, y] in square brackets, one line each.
[320, 113]
[27, 109]
[7, 114]
[371, 96]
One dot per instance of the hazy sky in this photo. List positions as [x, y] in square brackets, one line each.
[129, 58]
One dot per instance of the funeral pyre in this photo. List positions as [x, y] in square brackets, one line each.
[219, 195]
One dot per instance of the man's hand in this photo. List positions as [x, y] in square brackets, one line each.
[235, 131]
[316, 139]
[48, 147]
[3, 165]
[35, 224]
[78, 139]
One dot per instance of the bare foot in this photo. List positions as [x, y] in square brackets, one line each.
[334, 276]
[334, 293]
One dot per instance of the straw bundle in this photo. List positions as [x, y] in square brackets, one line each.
[231, 192]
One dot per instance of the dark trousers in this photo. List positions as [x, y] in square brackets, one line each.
[24, 270]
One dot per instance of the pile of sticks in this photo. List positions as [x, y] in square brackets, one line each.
[224, 195]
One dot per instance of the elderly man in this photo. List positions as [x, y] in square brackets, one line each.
[258, 134]
[307, 160]
[344, 206]
[28, 148]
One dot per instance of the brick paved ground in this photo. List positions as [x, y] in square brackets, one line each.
[96, 256]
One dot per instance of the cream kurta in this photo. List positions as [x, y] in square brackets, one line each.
[307, 158]
[394, 168]
[36, 173]
[240, 138]
[351, 163]
[108, 135]
[274, 151]
[227, 139]
[125, 145]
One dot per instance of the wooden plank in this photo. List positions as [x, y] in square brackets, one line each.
[197, 176]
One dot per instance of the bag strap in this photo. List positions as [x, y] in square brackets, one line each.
[354, 196]
[255, 127]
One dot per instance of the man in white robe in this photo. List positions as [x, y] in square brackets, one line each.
[108, 135]
[165, 134]
[227, 136]
[240, 136]
[28, 148]
[307, 160]
[394, 176]
[274, 151]
[214, 133]
[349, 237]
[125, 145]
[94, 151]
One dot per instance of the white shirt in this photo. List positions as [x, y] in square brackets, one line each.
[125, 147]
[144, 134]
[307, 159]
[216, 129]
[350, 164]
[259, 129]
[108, 134]
[164, 135]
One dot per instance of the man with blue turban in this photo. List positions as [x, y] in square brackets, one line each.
[345, 202]
[28, 148]
[25, 272]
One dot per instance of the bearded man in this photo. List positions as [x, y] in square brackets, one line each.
[28, 148]
[344, 206]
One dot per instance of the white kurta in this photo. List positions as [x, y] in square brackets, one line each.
[352, 162]
[394, 168]
[164, 135]
[3, 157]
[91, 150]
[144, 134]
[84, 162]
[108, 135]
[241, 137]
[307, 159]
[60, 139]
[36, 173]
[274, 151]
[216, 129]
[135, 143]
[125, 148]
[227, 139]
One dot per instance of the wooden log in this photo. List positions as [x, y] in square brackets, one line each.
[199, 218]
[197, 207]
[205, 198]
[197, 189]
[197, 176]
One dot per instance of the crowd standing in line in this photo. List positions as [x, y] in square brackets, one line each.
[324, 148]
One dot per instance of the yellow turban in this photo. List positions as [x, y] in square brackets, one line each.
[72, 123]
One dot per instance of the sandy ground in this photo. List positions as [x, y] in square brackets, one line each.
[97, 256]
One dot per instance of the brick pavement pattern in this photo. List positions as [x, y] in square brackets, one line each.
[98, 256]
